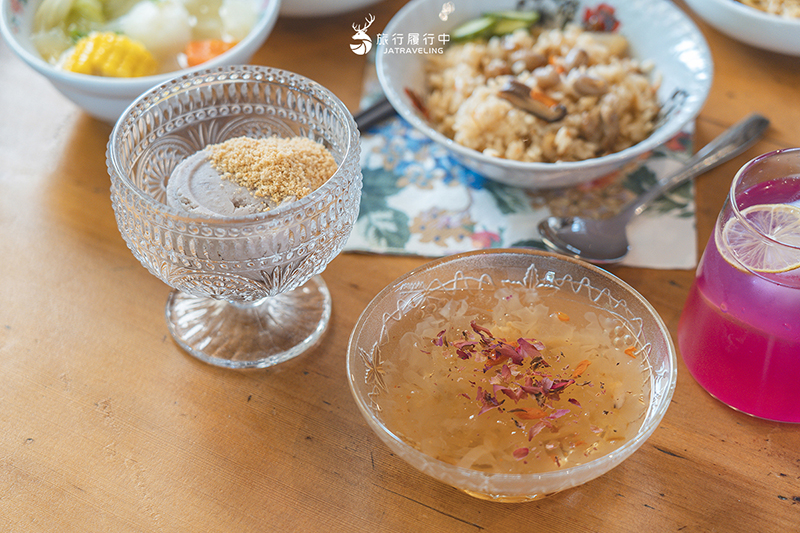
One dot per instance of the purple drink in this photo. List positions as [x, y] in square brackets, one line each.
[739, 333]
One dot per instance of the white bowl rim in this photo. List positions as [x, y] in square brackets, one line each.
[613, 160]
[642, 435]
[751, 12]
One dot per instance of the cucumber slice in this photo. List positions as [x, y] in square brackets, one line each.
[531, 17]
[473, 28]
[505, 26]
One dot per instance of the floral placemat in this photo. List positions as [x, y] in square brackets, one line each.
[417, 200]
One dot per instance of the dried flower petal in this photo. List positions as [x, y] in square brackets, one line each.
[537, 428]
[529, 349]
[508, 352]
[514, 395]
[487, 401]
[531, 344]
[465, 344]
[480, 330]
[560, 385]
[521, 453]
[558, 413]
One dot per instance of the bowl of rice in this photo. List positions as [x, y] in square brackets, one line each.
[576, 90]
[772, 25]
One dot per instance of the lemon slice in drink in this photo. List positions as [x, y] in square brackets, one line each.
[779, 222]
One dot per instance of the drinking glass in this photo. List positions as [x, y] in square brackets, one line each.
[247, 288]
[739, 333]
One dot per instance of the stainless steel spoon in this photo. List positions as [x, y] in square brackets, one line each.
[605, 241]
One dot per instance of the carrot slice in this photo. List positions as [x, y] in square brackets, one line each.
[198, 52]
[581, 368]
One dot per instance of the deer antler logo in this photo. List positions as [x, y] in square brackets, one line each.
[364, 44]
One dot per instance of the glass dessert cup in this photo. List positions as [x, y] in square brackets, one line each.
[738, 333]
[414, 296]
[247, 289]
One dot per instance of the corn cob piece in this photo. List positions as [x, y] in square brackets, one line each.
[110, 54]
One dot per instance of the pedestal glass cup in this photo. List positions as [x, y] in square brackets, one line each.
[247, 289]
[739, 333]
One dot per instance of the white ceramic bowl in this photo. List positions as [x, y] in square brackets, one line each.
[655, 29]
[315, 8]
[106, 98]
[374, 369]
[749, 25]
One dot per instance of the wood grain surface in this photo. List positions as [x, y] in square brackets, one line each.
[107, 426]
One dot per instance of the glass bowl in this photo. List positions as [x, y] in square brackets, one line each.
[374, 369]
[247, 291]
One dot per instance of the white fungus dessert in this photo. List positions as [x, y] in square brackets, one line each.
[243, 176]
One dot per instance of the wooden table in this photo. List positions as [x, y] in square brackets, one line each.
[107, 426]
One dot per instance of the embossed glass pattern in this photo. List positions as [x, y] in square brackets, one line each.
[248, 292]
[489, 270]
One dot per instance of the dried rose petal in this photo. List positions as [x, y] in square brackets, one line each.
[487, 401]
[558, 386]
[558, 413]
[521, 453]
[508, 352]
[529, 349]
[480, 330]
[465, 344]
[536, 429]
[514, 395]
[439, 340]
[538, 345]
